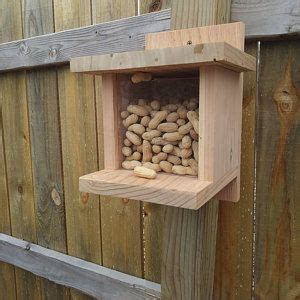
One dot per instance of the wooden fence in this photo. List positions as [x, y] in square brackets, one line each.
[51, 133]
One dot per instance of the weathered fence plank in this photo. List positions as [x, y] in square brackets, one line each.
[233, 273]
[79, 143]
[19, 173]
[276, 270]
[267, 18]
[17, 149]
[7, 273]
[120, 218]
[45, 145]
[189, 237]
[115, 36]
[107, 10]
[86, 277]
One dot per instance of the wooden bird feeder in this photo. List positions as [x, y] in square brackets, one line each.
[206, 62]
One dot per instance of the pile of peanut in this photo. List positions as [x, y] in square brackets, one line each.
[162, 137]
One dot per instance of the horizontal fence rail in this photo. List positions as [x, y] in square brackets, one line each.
[66, 270]
[268, 18]
[57, 48]
[263, 20]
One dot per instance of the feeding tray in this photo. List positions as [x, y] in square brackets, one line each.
[206, 62]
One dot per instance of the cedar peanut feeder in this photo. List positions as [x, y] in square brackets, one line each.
[172, 113]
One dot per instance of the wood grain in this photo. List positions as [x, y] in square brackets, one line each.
[166, 59]
[167, 189]
[220, 123]
[188, 255]
[233, 273]
[57, 48]
[17, 149]
[112, 146]
[7, 273]
[79, 143]
[276, 272]
[193, 13]
[87, 277]
[107, 10]
[267, 18]
[153, 214]
[197, 231]
[77, 115]
[231, 33]
[11, 23]
[120, 218]
[19, 173]
[45, 145]
[47, 166]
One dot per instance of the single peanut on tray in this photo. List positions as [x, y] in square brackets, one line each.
[144, 172]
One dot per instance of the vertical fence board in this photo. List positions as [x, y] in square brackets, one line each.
[108, 10]
[19, 173]
[190, 237]
[79, 143]
[153, 240]
[45, 144]
[7, 273]
[277, 271]
[193, 13]
[120, 218]
[47, 168]
[153, 220]
[233, 273]
[17, 149]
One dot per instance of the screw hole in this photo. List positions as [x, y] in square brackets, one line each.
[189, 42]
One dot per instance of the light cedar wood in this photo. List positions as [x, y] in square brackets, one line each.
[166, 59]
[220, 113]
[166, 189]
[220, 122]
[112, 145]
[231, 33]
